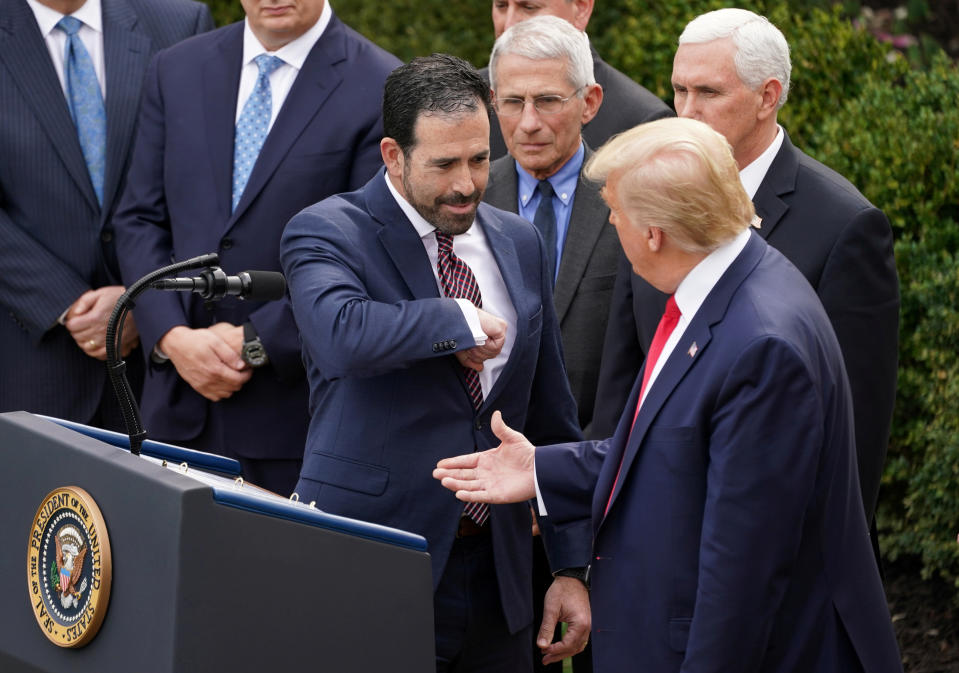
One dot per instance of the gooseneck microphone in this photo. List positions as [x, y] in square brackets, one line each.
[214, 284]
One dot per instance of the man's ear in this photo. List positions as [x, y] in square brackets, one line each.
[582, 10]
[654, 238]
[593, 98]
[770, 90]
[392, 157]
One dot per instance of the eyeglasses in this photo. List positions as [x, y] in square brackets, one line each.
[547, 105]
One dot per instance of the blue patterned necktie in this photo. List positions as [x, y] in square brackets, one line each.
[86, 102]
[545, 220]
[459, 282]
[253, 125]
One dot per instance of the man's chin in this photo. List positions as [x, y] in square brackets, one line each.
[454, 225]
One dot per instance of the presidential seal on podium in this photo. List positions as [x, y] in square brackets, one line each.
[69, 567]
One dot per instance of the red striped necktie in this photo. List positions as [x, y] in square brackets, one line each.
[459, 283]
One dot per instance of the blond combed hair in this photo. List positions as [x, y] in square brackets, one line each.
[678, 175]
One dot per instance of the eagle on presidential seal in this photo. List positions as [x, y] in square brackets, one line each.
[70, 556]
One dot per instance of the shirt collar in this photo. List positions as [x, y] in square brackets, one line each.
[564, 180]
[293, 53]
[47, 18]
[699, 282]
[752, 175]
[423, 228]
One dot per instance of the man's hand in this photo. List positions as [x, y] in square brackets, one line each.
[87, 318]
[496, 476]
[567, 600]
[230, 333]
[495, 330]
[205, 360]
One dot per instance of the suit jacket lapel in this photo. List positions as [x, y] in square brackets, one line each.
[507, 259]
[683, 357]
[314, 84]
[586, 222]
[25, 54]
[779, 180]
[126, 53]
[400, 239]
[221, 79]
[503, 189]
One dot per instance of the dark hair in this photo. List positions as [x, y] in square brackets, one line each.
[430, 84]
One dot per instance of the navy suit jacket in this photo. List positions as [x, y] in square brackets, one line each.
[584, 285]
[177, 205]
[388, 398]
[625, 105]
[57, 241]
[735, 539]
[842, 244]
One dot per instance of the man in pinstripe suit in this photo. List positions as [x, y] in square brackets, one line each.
[58, 273]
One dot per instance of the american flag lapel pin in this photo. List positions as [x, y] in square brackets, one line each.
[693, 350]
[757, 222]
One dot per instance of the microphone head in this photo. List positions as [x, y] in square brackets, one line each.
[265, 285]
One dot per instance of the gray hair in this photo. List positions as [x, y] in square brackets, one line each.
[547, 37]
[761, 49]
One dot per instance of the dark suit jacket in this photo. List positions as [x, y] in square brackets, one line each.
[584, 285]
[387, 397]
[57, 240]
[625, 105]
[177, 204]
[735, 538]
[842, 244]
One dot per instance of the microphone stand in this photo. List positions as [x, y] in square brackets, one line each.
[116, 368]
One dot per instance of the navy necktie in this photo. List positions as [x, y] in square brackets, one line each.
[85, 100]
[253, 125]
[545, 221]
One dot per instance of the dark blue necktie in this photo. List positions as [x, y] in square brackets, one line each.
[545, 221]
[85, 100]
[253, 125]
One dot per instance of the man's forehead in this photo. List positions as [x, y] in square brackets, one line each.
[706, 60]
[513, 71]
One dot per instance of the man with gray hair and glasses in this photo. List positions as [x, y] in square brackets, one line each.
[545, 91]
[732, 71]
[627, 102]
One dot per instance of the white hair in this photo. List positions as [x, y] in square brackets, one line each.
[547, 37]
[761, 49]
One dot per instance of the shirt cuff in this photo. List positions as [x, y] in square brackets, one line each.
[472, 319]
[539, 496]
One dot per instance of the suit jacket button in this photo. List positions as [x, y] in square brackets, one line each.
[106, 235]
[436, 348]
[226, 243]
[478, 424]
[452, 343]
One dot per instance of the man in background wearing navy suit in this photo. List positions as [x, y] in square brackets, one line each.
[732, 71]
[728, 528]
[239, 130]
[421, 311]
[60, 180]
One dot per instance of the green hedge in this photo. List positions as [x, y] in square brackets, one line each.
[894, 132]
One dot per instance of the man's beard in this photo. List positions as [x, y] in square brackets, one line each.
[448, 223]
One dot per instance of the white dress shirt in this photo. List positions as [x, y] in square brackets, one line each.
[752, 176]
[90, 33]
[474, 249]
[293, 55]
